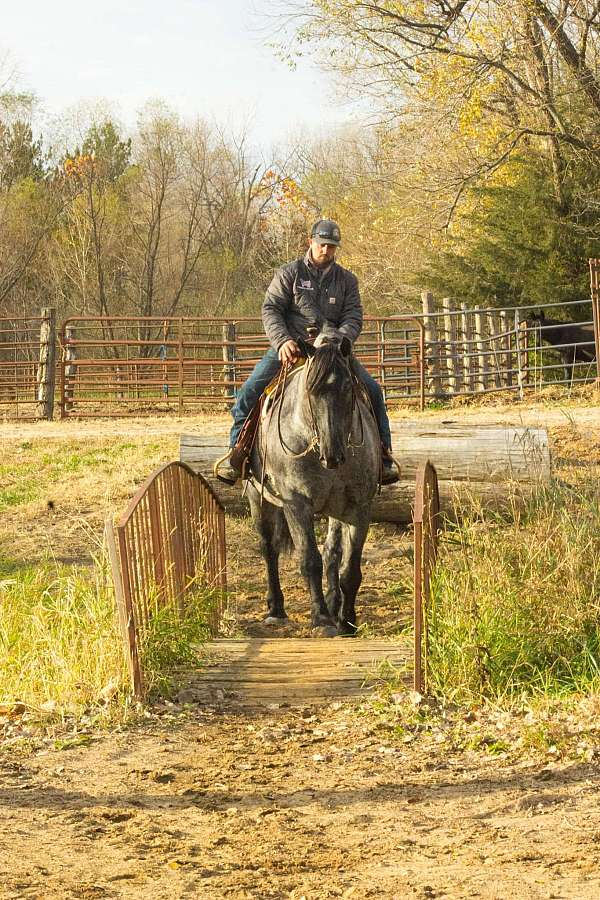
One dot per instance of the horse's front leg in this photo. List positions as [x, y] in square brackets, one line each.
[354, 537]
[300, 519]
[332, 554]
[272, 528]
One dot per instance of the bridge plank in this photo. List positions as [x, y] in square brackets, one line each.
[259, 671]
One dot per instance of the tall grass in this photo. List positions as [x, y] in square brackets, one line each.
[516, 605]
[60, 642]
[59, 637]
[173, 641]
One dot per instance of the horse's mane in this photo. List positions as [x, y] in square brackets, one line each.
[327, 359]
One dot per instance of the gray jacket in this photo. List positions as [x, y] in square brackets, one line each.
[300, 297]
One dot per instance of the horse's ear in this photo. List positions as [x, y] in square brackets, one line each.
[346, 346]
[306, 349]
[542, 316]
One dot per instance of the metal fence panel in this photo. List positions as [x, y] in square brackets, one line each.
[170, 540]
[128, 366]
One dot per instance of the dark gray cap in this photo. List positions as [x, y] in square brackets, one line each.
[325, 231]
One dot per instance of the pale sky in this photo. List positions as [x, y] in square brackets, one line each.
[204, 57]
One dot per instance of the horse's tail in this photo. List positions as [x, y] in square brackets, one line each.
[282, 539]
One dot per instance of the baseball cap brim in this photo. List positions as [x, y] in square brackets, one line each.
[325, 240]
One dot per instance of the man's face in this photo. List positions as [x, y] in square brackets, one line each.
[322, 254]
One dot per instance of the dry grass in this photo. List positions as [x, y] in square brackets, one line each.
[55, 495]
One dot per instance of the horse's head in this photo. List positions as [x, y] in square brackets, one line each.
[330, 395]
[536, 318]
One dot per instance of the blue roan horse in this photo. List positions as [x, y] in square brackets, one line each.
[317, 452]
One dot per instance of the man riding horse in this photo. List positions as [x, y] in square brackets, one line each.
[304, 296]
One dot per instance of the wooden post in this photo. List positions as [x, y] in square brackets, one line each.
[482, 361]
[46, 373]
[229, 355]
[451, 338]
[431, 346]
[467, 337]
[507, 376]
[496, 355]
[525, 344]
[519, 354]
[125, 612]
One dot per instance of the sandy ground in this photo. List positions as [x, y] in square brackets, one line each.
[532, 414]
[290, 803]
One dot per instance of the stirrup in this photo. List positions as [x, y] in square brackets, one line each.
[390, 474]
[237, 468]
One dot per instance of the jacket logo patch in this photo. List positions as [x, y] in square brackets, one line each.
[332, 300]
[306, 285]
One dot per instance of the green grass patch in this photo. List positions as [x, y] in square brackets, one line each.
[174, 641]
[59, 638]
[516, 605]
[34, 467]
[23, 491]
[61, 647]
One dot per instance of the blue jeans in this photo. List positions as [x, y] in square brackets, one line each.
[265, 371]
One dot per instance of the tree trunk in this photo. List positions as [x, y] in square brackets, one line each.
[478, 467]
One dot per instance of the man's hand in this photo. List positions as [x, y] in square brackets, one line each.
[289, 352]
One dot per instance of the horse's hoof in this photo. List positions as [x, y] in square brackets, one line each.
[327, 631]
[346, 629]
[276, 620]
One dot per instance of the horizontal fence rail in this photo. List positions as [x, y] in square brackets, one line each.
[127, 365]
[170, 541]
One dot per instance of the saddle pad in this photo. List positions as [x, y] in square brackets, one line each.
[246, 438]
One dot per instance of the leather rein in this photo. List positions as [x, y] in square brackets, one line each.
[314, 442]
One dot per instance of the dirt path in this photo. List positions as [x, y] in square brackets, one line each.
[533, 414]
[290, 805]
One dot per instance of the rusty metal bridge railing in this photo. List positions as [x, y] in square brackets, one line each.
[169, 542]
[427, 523]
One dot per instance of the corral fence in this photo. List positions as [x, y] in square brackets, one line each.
[426, 523]
[481, 351]
[169, 542]
[120, 365]
[123, 365]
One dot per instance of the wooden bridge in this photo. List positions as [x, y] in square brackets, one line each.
[252, 672]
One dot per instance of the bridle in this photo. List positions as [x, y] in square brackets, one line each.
[314, 442]
[278, 393]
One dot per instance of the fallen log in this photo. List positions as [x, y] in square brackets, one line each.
[486, 466]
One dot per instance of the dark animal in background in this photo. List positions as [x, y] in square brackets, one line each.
[579, 336]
